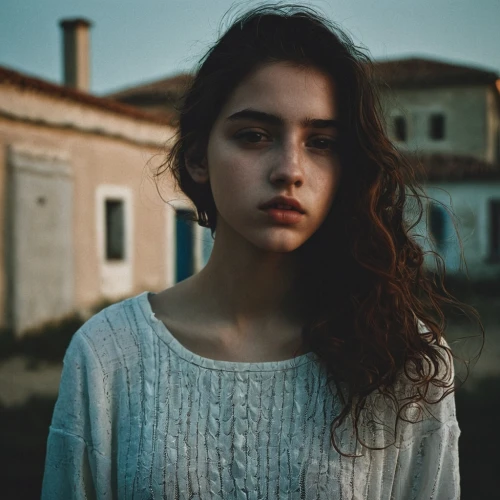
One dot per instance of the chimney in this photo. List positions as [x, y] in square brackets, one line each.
[76, 49]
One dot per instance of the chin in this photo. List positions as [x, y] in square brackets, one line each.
[282, 245]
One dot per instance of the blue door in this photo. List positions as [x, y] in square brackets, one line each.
[184, 245]
[443, 233]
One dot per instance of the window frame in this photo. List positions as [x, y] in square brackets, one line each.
[116, 276]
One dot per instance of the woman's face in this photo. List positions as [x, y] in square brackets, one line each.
[276, 135]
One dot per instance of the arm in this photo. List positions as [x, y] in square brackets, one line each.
[76, 466]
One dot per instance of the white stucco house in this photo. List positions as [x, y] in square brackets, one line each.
[80, 215]
[447, 117]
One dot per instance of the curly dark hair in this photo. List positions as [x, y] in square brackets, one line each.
[369, 297]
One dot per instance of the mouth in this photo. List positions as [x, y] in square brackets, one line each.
[283, 215]
[278, 206]
[283, 203]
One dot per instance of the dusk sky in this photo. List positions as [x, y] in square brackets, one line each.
[135, 41]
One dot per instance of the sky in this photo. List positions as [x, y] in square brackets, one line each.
[137, 41]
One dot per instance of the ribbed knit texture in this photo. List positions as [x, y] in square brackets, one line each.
[140, 417]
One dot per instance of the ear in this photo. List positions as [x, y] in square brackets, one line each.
[198, 170]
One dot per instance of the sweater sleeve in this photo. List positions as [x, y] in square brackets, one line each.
[427, 466]
[429, 469]
[77, 465]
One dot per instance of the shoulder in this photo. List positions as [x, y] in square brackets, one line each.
[112, 337]
[104, 362]
[422, 401]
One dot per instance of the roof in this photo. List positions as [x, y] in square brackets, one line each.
[24, 82]
[419, 72]
[175, 84]
[162, 97]
[441, 167]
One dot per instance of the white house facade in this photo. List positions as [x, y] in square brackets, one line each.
[447, 117]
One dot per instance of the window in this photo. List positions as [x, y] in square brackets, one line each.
[400, 132]
[115, 229]
[184, 238]
[495, 229]
[436, 127]
[437, 225]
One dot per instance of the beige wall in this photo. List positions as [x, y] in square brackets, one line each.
[3, 201]
[107, 157]
[39, 264]
[465, 108]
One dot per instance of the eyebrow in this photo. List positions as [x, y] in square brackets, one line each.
[261, 116]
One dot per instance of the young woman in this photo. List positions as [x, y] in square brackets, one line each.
[296, 364]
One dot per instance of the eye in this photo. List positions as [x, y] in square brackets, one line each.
[251, 136]
[323, 143]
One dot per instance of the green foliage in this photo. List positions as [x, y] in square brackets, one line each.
[48, 342]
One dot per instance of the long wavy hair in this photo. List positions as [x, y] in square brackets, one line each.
[369, 298]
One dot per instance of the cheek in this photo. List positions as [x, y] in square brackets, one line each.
[230, 178]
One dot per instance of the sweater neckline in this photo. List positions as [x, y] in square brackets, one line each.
[166, 336]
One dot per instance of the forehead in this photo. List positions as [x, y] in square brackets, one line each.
[287, 90]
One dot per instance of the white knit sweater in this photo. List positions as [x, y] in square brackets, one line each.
[141, 417]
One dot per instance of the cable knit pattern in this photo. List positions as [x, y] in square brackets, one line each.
[141, 417]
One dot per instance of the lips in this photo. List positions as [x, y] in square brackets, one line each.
[284, 216]
[279, 202]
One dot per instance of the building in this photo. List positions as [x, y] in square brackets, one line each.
[161, 97]
[81, 217]
[447, 117]
[437, 107]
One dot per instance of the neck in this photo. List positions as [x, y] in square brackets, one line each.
[248, 288]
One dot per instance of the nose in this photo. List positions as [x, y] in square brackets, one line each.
[288, 166]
